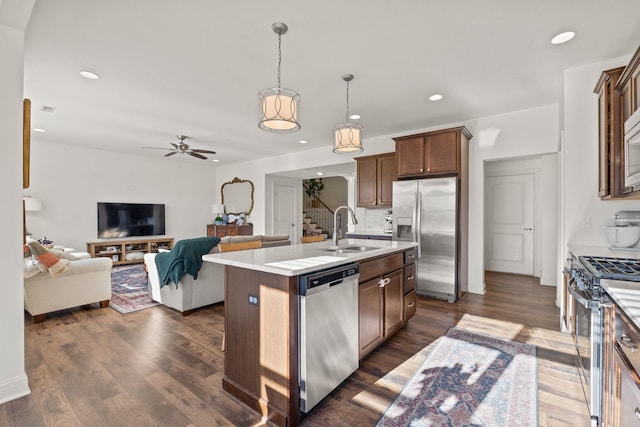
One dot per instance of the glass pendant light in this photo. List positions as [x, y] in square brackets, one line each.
[347, 136]
[279, 106]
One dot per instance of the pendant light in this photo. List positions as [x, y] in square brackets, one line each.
[347, 136]
[279, 106]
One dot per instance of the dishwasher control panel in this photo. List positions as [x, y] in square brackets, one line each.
[330, 277]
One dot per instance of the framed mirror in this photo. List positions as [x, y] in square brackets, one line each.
[237, 196]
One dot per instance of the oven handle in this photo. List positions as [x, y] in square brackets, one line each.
[579, 296]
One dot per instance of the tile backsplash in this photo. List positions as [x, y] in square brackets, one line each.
[371, 219]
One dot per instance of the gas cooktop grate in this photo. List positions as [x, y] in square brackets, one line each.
[613, 268]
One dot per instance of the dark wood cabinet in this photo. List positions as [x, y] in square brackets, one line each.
[375, 175]
[393, 302]
[410, 156]
[628, 86]
[442, 152]
[383, 304]
[610, 137]
[370, 312]
[229, 230]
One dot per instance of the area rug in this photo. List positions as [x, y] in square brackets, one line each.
[129, 289]
[470, 380]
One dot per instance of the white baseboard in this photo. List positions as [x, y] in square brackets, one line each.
[14, 388]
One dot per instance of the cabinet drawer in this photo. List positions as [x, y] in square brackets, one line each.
[409, 305]
[380, 266]
[409, 282]
[410, 256]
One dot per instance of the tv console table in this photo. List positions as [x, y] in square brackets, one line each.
[128, 251]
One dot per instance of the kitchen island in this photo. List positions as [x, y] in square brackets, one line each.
[261, 313]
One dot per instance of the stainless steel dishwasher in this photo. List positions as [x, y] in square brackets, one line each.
[328, 328]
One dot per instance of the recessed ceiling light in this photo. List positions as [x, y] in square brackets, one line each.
[319, 173]
[89, 75]
[216, 160]
[563, 37]
[354, 116]
[302, 141]
[38, 130]
[435, 97]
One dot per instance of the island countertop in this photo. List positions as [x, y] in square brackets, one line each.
[294, 260]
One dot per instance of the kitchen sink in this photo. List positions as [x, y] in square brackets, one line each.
[349, 249]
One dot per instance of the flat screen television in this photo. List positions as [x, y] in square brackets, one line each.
[130, 219]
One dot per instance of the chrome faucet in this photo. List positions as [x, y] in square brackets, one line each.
[335, 222]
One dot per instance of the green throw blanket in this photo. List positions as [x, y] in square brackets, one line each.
[185, 257]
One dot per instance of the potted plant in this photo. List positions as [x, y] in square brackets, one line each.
[313, 187]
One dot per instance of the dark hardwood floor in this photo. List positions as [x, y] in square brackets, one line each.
[96, 367]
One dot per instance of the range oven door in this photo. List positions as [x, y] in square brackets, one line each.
[588, 324]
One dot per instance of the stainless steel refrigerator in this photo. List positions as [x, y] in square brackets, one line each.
[428, 211]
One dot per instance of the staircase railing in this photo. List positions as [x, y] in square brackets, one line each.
[321, 215]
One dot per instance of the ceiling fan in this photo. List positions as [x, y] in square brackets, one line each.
[183, 148]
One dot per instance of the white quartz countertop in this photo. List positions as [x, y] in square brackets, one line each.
[294, 260]
[626, 295]
[603, 251]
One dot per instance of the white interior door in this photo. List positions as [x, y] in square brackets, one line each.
[509, 236]
[284, 210]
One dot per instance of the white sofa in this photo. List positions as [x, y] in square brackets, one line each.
[190, 294]
[86, 281]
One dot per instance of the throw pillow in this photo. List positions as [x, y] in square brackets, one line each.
[30, 265]
[53, 264]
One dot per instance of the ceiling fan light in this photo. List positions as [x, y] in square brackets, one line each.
[279, 110]
[347, 138]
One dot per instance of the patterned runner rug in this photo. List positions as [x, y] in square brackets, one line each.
[470, 380]
[129, 291]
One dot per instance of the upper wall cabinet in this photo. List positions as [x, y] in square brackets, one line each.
[435, 153]
[628, 85]
[375, 175]
[618, 98]
[610, 137]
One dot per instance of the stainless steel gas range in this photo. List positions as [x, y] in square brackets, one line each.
[587, 304]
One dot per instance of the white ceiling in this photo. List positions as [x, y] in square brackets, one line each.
[172, 67]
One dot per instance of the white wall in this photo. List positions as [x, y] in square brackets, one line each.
[71, 180]
[14, 15]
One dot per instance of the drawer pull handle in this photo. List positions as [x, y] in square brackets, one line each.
[412, 256]
[411, 277]
[412, 303]
[625, 341]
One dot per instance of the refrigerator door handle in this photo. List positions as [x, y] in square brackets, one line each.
[418, 222]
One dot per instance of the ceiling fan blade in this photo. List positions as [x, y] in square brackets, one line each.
[157, 148]
[200, 156]
[170, 154]
[195, 150]
[176, 146]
